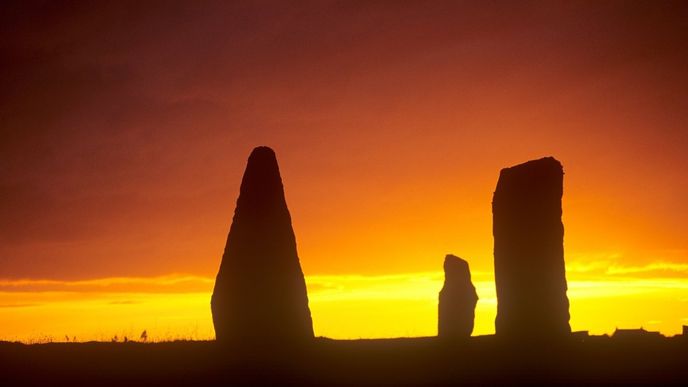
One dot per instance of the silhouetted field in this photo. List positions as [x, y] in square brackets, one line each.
[419, 361]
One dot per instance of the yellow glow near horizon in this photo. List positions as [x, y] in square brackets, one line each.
[343, 307]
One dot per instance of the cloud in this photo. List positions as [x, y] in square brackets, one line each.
[19, 305]
[163, 284]
[656, 267]
[124, 302]
[612, 268]
[350, 287]
[403, 285]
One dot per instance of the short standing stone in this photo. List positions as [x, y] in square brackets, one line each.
[456, 310]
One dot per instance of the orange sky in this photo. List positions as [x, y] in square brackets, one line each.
[126, 128]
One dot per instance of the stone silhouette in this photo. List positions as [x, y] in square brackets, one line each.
[529, 251]
[456, 309]
[260, 291]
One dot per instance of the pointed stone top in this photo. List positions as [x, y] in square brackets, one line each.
[456, 268]
[262, 151]
[262, 163]
[261, 186]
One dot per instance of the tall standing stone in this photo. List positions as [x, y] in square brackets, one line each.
[260, 291]
[529, 251]
[457, 300]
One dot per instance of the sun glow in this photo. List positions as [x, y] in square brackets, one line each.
[343, 306]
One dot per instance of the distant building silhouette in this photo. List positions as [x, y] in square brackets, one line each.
[529, 251]
[685, 330]
[580, 334]
[457, 300]
[633, 334]
[260, 291]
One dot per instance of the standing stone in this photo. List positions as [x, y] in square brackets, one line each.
[260, 291]
[529, 251]
[456, 310]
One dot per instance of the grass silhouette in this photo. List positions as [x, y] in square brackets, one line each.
[410, 361]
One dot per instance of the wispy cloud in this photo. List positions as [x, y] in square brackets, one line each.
[655, 267]
[396, 286]
[18, 305]
[124, 302]
[662, 264]
[603, 268]
[174, 283]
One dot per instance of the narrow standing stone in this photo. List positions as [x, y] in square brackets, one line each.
[260, 291]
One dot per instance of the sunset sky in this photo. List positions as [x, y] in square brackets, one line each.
[126, 128]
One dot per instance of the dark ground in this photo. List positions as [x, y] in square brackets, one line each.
[422, 361]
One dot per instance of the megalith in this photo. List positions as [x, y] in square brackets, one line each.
[529, 251]
[457, 300]
[260, 291]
